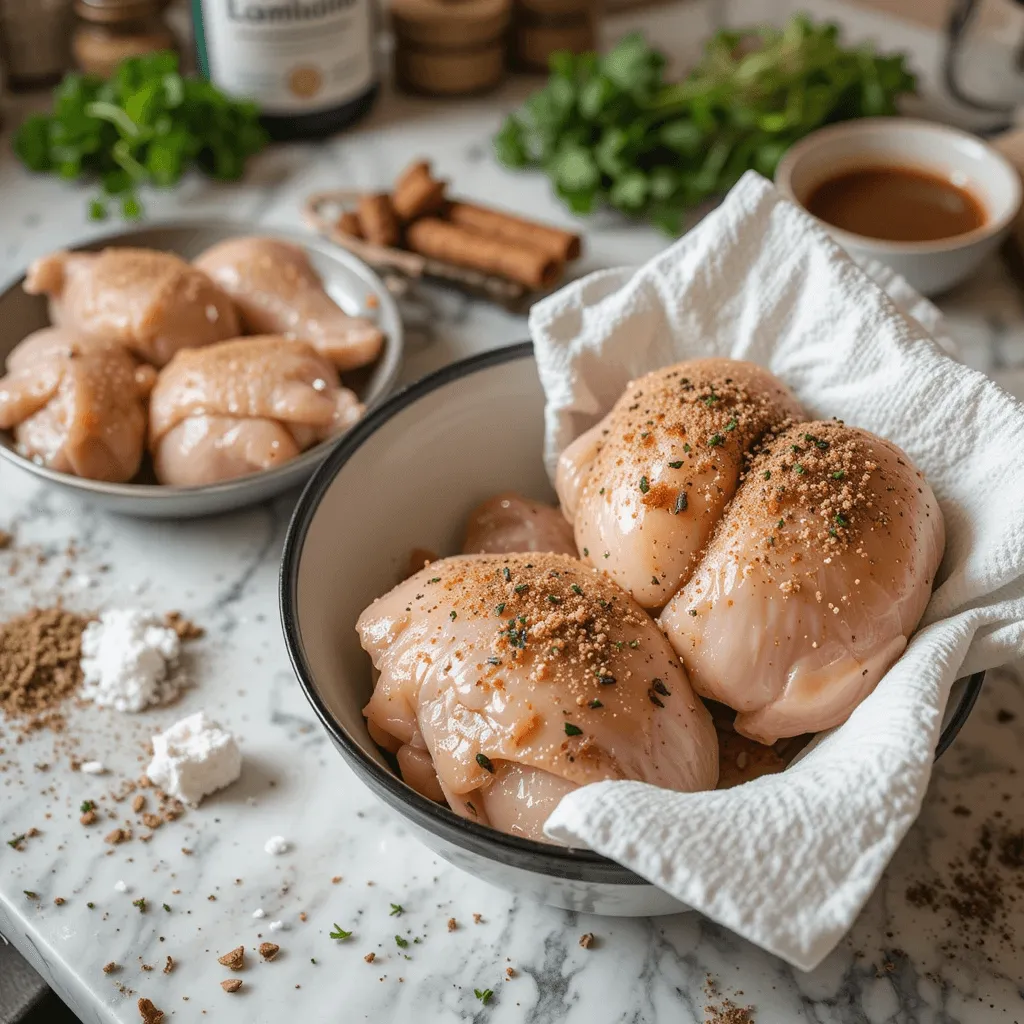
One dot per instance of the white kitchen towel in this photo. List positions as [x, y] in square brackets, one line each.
[787, 861]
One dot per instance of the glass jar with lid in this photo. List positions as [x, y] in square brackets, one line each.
[108, 31]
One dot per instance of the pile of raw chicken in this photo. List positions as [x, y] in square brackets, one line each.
[146, 351]
[711, 543]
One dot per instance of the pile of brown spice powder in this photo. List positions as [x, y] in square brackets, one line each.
[39, 664]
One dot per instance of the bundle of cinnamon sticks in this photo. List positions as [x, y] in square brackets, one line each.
[418, 216]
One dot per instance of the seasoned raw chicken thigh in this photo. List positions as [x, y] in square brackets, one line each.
[508, 523]
[645, 487]
[506, 681]
[152, 302]
[241, 406]
[813, 582]
[278, 291]
[77, 404]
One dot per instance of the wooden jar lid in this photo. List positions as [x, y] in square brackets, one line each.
[449, 24]
[451, 72]
[533, 44]
[556, 8]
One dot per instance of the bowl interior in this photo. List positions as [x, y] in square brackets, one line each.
[408, 485]
[405, 478]
[964, 160]
[352, 285]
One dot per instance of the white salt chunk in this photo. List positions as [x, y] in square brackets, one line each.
[130, 660]
[92, 767]
[276, 845]
[277, 926]
[193, 758]
[259, 912]
[121, 886]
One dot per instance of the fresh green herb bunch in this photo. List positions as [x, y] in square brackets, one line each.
[147, 125]
[609, 130]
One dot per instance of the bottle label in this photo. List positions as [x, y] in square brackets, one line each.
[290, 56]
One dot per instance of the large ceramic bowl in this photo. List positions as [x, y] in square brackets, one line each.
[405, 477]
[348, 280]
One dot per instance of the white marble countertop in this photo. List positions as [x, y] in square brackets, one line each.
[349, 858]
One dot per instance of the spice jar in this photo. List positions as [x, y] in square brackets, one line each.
[109, 31]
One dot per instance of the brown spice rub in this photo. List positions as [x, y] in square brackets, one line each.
[39, 662]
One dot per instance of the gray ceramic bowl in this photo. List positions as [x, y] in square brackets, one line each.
[405, 477]
[348, 280]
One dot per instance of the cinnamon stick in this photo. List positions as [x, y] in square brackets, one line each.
[348, 224]
[377, 218]
[417, 192]
[562, 245]
[525, 264]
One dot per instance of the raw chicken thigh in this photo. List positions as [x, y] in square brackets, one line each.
[645, 487]
[241, 406]
[813, 582]
[278, 291]
[508, 523]
[152, 302]
[506, 681]
[77, 404]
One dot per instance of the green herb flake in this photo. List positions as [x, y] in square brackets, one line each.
[506, 572]
[838, 475]
[731, 425]
[521, 588]
[676, 465]
[400, 942]
[339, 933]
[30, 894]
[86, 806]
[572, 730]
[687, 449]
[595, 703]
[841, 520]
[682, 502]
[16, 841]
[453, 615]
[494, 661]
[782, 523]
[499, 608]
[91, 906]
[767, 474]
[644, 485]
[554, 599]
[485, 762]
[800, 469]
[140, 903]
[716, 441]
[586, 552]
[606, 680]
[167, 907]
[634, 644]
[693, 612]
[484, 995]
[396, 910]
[435, 579]
[577, 589]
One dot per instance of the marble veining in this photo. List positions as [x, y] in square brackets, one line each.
[901, 964]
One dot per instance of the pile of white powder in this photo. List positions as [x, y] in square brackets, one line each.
[130, 660]
[193, 758]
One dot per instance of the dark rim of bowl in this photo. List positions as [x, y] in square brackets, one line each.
[557, 861]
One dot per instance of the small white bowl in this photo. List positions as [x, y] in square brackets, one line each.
[964, 159]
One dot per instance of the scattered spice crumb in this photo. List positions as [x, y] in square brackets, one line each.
[235, 959]
[149, 1013]
[510, 972]
[587, 940]
[169, 966]
[118, 836]
[59, 900]
[186, 629]
[231, 985]
[302, 916]
[478, 919]
[452, 924]
[268, 950]
[336, 879]
[111, 967]
[370, 957]
[138, 803]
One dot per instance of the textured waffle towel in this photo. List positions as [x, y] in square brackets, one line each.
[787, 861]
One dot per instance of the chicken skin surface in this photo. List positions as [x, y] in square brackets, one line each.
[241, 406]
[506, 681]
[645, 487]
[508, 523]
[151, 302]
[278, 291]
[77, 404]
[815, 578]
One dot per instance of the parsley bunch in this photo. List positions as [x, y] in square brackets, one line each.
[609, 130]
[147, 125]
